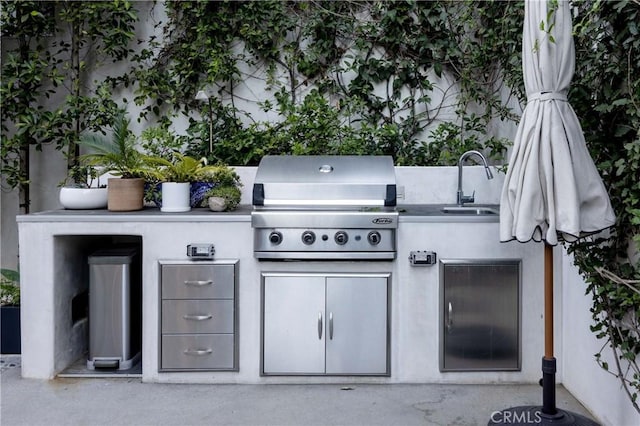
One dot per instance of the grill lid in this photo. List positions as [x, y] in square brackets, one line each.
[322, 180]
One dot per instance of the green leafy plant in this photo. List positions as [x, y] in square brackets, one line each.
[182, 169]
[119, 153]
[447, 144]
[226, 184]
[47, 97]
[231, 195]
[222, 175]
[160, 142]
[81, 176]
[9, 287]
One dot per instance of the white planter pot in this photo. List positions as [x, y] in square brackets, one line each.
[83, 198]
[175, 197]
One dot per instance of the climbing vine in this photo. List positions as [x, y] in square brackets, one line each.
[385, 74]
[606, 96]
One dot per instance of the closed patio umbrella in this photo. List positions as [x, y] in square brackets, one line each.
[552, 191]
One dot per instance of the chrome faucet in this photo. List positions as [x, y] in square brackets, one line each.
[461, 198]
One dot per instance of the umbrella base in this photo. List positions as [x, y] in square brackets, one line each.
[533, 415]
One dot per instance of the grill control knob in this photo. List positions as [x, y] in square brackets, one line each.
[275, 237]
[341, 238]
[308, 237]
[374, 238]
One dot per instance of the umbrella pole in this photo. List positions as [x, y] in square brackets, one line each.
[548, 414]
[548, 361]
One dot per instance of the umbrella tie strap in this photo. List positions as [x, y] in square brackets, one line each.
[547, 96]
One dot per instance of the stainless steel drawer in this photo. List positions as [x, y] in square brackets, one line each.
[197, 281]
[197, 351]
[197, 316]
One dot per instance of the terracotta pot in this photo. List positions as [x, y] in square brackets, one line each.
[125, 194]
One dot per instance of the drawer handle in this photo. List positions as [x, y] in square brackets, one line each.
[197, 352]
[197, 317]
[198, 283]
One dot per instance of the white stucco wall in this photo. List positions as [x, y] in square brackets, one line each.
[594, 387]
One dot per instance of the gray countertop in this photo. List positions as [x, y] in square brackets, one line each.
[148, 214]
[408, 213]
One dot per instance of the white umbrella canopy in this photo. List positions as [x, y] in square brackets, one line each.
[552, 188]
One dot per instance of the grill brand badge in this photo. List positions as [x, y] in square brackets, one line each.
[382, 221]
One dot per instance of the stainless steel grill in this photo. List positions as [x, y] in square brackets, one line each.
[325, 207]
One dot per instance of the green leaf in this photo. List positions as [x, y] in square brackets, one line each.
[437, 68]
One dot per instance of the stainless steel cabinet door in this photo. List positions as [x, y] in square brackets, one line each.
[294, 324]
[357, 329]
[480, 315]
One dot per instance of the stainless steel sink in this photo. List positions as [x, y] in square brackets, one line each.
[471, 210]
[450, 210]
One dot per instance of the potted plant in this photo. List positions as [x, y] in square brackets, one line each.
[223, 192]
[176, 177]
[78, 191]
[119, 156]
[9, 311]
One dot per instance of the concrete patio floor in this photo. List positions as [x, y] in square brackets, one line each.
[128, 401]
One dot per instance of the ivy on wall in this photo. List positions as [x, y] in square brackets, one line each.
[370, 67]
[606, 96]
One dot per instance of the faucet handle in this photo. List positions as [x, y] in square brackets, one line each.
[468, 198]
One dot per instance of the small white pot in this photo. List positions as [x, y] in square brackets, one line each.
[175, 197]
[83, 198]
[217, 204]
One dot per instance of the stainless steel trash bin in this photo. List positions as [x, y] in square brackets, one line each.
[115, 290]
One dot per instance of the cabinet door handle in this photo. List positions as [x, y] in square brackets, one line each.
[330, 325]
[449, 317]
[319, 325]
[198, 352]
[197, 317]
[198, 283]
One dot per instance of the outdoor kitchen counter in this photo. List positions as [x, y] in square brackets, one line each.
[54, 246]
